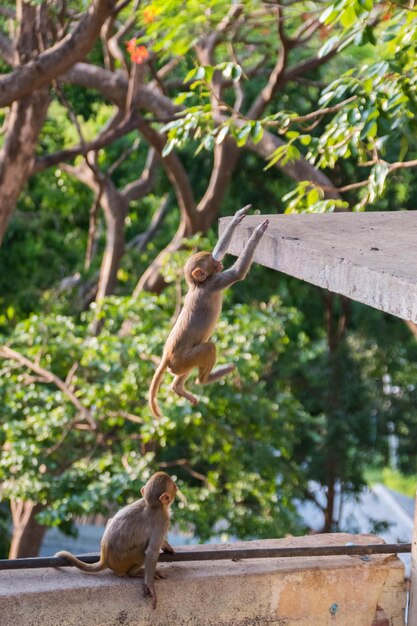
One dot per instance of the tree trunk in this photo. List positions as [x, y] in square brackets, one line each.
[330, 496]
[114, 208]
[17, 155]
[27, 533]
[335, 329]
[331, 461]
[24, 121]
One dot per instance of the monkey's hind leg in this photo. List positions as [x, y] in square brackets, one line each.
[217, 374]
[206, 374]
[178, 387]
[202, 356]
[136, 571]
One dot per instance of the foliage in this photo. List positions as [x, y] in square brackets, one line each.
[242, 456]
[370, 110]
[342, 390]
[392, 479]
[224, 452]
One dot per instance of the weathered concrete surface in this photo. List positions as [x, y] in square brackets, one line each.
[369, 257]
[346, 591]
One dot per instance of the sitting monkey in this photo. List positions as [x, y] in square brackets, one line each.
[188, 344]
[134, 537]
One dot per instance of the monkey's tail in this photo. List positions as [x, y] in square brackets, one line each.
[85, 567]
[154, 386]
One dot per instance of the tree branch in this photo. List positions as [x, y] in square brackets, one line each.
[128, 416]
[176, 173]
[49, 377]
[185, 464]
[142, 186]
[103, 140]
[276, 76]
[307, 66]
[59, 58]
[114, 86]
[92, 227]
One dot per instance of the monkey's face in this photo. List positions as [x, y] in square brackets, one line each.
[201, 266]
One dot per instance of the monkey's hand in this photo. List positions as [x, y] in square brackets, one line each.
[149, 590]
[239, 215]
[166, 547]
[259, 230]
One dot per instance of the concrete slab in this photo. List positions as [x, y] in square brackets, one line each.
[368, 257]
[343, 590]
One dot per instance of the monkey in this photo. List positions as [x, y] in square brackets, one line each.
[134, 537]
[188, 344]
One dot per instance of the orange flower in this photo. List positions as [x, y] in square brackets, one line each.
[139, 55]
[149, 14]
[131, 45]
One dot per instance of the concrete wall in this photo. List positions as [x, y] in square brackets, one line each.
[315, 591]
[365, 256]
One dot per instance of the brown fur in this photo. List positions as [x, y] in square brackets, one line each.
[188, 344]
[134, 537]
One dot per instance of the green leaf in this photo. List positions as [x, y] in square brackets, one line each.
[348, 17]
[200, 73]
[182, 97]
[209, 71]
[369, 130]
[379, 173]
[257, 132]
[222, 134]
[312, 197]
[330, 44]
[243, 135]
[228, 70]
[191, 74]
[168, 147]
[276, 156]
[236, 73]
[404, 146]
[328, 15]
[367, 5]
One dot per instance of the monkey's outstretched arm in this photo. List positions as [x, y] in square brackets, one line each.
[239, 270]
[222, 245]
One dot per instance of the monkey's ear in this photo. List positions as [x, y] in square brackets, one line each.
[142, 491]
[165, 498]
[199, 275]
